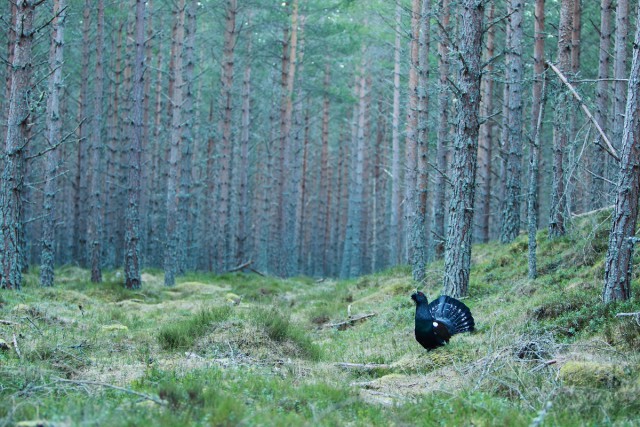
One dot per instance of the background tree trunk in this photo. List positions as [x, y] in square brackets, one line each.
[620, 70]
[223, 239]
[94, 229]
[537, 105]
[441, 183]
[394, 218]
[419, 234]
[54, 139]
[411, 133]
[177, 100]
[600, 159]
[561, 119]
[485, 142]
[132, 219]
[513, 136]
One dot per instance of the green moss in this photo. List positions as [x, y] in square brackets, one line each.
[591, 374]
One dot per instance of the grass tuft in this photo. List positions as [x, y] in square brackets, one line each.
[183, 334]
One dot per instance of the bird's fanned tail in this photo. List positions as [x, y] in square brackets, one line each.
[452, 312]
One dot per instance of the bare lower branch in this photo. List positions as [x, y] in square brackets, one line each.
[609, 148]
[115, 387]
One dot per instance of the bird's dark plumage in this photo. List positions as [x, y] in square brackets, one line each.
[437, 322]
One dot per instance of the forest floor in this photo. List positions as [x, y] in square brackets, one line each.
[241, 349]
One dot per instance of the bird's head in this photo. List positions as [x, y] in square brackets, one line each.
[419, 297]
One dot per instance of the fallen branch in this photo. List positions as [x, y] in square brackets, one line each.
[364, 366]
[115, 387]
[636, 315]
[8, 322]
[241, 266]
[609, 148]
[349, 322]
[544, 364]
[15, 345]
[257, 272]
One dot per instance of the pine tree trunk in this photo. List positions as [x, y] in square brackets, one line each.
[185, 199]
[172, 220]
[537, 105]
[440, 184]
[513, 136]
[575, 183]
[411, 132]
[284, 216]
[82, 171]
[154, 235]
[561, 119]
[420, 219]
[618, 263]
[223, 240]
[54, 137]
[352, 253]
[245, 141]
[396, 177]
[325, 171]
[94, 228]
[620, 70]
[485, 142]
[457, 260]
[11, 187]
[132, 218]
[599, 162]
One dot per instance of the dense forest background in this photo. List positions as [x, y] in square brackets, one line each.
[304, 137]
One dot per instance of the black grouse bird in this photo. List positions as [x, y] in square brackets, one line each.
[437, 322]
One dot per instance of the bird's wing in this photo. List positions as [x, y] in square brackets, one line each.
[441, 330]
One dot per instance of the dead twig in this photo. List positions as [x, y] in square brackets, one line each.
[9, 322]
[115, 387]
[543, 364]
[364, 366]
[349, 322]
[15, 345]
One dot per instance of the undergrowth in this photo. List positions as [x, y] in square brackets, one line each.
[238, 349]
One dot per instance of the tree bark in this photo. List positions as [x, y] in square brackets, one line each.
[537, 105]
[223, 240]
[513, 136]
[94, 228]
[444, 94]
[457, 260]
[420, 227]
[598, 196]
[394, 218]
[187, 143]
[170, 251]
[352, 253]
[245, 141]
[80, 189]
[132, 218]
[561, 118]
[411, 132]
[54, 139]
[620, 69]
[618, 263]
[18, 121]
